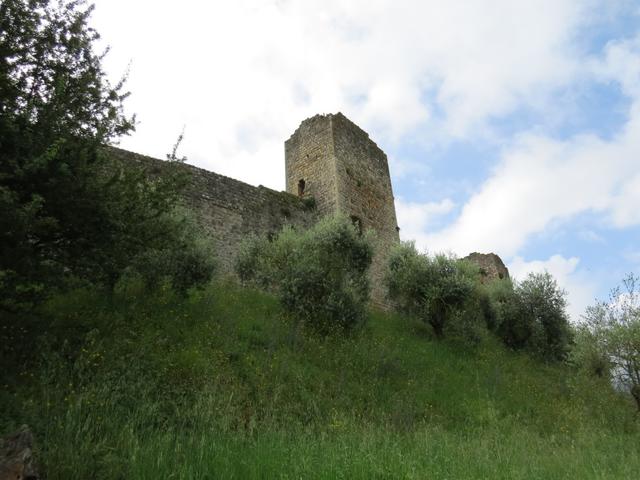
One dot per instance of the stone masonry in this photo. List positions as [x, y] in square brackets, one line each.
[230, 210]
[333, 160]
[328, 158]
[491, 266]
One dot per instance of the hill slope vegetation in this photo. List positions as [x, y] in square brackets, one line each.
[222, 385]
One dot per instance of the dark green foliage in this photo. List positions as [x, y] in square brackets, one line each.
[309, 203]
[319, 275]
[487, 308]
[137, 212]
[608, 341]
[588, 354]
[499, 292]
[57, 109]
[185, 260]
[66, 209]
[431, 288]
[446, 293]
[532, 316]
[250, 259]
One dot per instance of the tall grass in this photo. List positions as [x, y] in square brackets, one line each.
[221, 385]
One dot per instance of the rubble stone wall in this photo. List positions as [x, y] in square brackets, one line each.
[231, 210]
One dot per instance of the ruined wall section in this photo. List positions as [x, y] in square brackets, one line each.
[309, 157]
[230, 210]
[491, 266]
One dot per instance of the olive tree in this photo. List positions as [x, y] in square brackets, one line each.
[609, 338]
[432, 288]
[532, 316]
[319, 274]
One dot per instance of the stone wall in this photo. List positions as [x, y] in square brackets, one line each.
[340, 167]
[231, 210]
[309, 157]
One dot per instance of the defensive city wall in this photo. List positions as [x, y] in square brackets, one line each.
[332, 166]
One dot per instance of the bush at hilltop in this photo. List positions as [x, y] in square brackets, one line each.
[433, 288]
[446, 293]
[608, 341]
[319, 275]
[532, 316]
[184, 260]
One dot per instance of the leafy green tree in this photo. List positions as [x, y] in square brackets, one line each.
[533, 316]
[494, 297]
[319, 275]
[433, 288]
[186, 260]
[608, 342]
[66, 208]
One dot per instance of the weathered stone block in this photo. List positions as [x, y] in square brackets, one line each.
[490, 264]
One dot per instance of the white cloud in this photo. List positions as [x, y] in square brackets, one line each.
[541, 181]
[416, 218]
[580, 288]
[254, 69]
[625, 211]
[241, 75]
[591, 236]
[557, 265]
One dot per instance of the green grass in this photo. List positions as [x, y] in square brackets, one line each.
[221, 385]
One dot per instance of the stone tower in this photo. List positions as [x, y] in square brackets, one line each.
[333, 160]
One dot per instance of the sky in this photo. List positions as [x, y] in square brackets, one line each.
[511, 126]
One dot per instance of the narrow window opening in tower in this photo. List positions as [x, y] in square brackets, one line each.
[301, 185]
[357, 223]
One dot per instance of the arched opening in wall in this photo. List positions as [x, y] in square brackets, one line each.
[301, 185]
[357, 223]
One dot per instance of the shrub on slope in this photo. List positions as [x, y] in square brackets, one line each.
[319, 275]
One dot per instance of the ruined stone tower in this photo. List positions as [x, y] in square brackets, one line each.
[333, 160]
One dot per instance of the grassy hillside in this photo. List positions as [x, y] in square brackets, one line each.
[221, 386]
